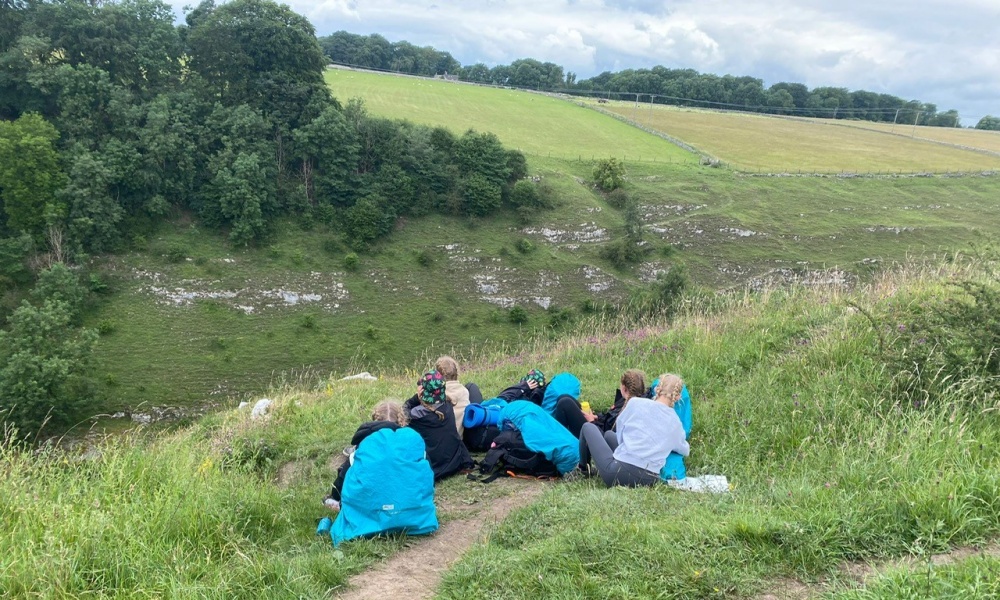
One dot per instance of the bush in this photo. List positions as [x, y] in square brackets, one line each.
[609, 174]
[106, 327]
[367, 221]
[351, 262]
[619, 198]
[946, 342]
[524, 246]
[663, 295]
[525, 195]
[176, 254]
[43, 363]
[425, 257]
[480, 196]
[624, 252]
[559, 317]
[517, 315]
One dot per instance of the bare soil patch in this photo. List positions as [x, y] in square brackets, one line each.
[417, 571]
[859, 573]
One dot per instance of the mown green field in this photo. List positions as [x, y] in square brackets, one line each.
[831, 467]
[762, 142]
[537, 124]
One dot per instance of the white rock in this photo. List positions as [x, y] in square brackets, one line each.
[260, 409]
[365, 376]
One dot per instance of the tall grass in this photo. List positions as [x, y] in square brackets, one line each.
[792, 402]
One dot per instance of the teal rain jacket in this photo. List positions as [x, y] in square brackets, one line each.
[389, 488]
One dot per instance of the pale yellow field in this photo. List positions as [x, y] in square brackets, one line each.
[755, 142]
[973, 138]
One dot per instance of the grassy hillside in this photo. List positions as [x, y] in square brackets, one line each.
[220, 323]
[752, 142]
[793, 401]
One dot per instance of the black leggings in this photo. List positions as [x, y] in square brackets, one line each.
[475, 396]
[602, 448]
[569, 414]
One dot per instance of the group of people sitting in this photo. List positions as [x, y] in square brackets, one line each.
[639, 441]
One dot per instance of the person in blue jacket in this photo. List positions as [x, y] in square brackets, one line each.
[386, 415]
[646, 432]
[562, 400]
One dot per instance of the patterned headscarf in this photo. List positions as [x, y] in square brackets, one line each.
[433, 387]
[536, 376]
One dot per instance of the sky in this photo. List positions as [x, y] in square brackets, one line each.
[943, 52]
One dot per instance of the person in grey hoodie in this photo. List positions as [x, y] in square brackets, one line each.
[647, 431]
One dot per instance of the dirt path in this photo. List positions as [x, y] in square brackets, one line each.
[862, 572]
[417, 571]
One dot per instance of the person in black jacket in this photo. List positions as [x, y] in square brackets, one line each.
[432, 417]
[387, 415]
[531, 388]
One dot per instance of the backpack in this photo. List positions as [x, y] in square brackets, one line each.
[509, 456]
[480, 439]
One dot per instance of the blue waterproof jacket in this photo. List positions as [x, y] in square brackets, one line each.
[389, 488]
[563, 384]
[674, 467]
[542, 433]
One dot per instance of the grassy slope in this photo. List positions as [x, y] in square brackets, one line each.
[788, 403]
[798, 145]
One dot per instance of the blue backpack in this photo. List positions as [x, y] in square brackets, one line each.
[388, 489]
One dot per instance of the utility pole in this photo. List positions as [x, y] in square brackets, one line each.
[894, 121]
[915, 121]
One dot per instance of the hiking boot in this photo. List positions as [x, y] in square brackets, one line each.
[575, 475]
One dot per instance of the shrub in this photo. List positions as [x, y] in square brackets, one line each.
[524, 246]
[351, 262]
[425, 257]
[624, 252]
[308, 322]
[517, 315]
[367, 221]
[559, 317]
[618, 198]
[106, 327]
[944, 342]
[609, 174]
[176, 254]
[525, 195]
[480, 196]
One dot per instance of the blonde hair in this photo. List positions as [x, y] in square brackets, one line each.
[390, 410]
[447, 367]
[634, 381]
[669, 388]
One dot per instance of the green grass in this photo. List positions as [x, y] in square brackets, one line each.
[752, 142]
[537, 124]
[972, 578]
[790, 402]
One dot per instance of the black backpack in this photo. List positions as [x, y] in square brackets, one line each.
[510, 456]
[480, 439]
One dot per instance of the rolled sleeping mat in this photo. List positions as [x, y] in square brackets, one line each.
[477, 415]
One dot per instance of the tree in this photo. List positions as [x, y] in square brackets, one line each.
[262, 54]
[367, 221]
[989, 122]
[483, 154]
[30, 174]
[480, 196]
[609, 174]
[43, 362]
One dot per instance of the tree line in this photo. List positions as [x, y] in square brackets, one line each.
[113, 118]
[659, 84]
